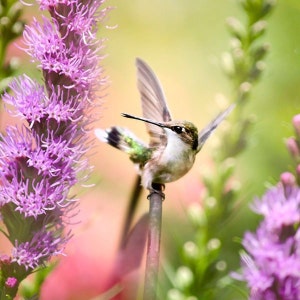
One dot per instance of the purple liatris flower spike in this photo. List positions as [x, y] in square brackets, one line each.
[40, 160]
[271, 266]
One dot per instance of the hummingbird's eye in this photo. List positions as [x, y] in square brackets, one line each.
[178, 129]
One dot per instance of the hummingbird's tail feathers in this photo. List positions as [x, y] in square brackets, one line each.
[111, 136]
[121, 138]
[117, 137]
[208, 130]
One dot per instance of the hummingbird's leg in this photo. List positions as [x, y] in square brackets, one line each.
[157, 188]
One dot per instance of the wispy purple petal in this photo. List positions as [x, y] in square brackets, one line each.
[41, 160]
[271, 266]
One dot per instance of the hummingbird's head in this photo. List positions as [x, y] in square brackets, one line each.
[185, 131]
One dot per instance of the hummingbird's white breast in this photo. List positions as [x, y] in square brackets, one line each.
[168, 163]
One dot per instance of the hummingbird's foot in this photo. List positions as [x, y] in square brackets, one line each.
[161, 194]
[157, 188]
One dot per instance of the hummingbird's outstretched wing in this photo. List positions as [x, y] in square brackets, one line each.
[207, 131]
[153, 100]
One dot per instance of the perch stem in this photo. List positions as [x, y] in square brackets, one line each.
[153, 245]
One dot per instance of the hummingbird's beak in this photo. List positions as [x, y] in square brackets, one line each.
[142, 119]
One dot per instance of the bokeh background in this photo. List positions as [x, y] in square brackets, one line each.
[183, 42]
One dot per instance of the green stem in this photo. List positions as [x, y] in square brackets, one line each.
[153, 247]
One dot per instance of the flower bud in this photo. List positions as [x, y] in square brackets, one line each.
[293, 147]
[191, 250]
[260, 65]
[287, 179]
[227, 64]
[5, 22]
[184, 277]
[258, 28]
[257, 69]
[298, 174]
[268, 6]
[260, 52]
[213, 244]
[296, 124]
[175, 294]
[235, 43]
[298, 170]
[11, 282]
[288, 182]
[221, 265]
[5, 259]
[211, 202]
[15, 11]
[236, 27]
[196, 214]
[244, 89]
[17, 28]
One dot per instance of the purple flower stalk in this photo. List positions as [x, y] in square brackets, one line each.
[271, 266]
[41, 160]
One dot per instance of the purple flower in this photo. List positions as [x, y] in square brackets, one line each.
[33, 253]
[271, 266]
[11, 282]
[278, 210]
[40, 160]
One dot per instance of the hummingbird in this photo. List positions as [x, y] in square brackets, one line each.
[173, 144]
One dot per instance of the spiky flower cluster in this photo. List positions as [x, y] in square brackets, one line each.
[40, 161]
[271, 266]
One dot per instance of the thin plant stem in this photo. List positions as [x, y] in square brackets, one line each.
[153, 245]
